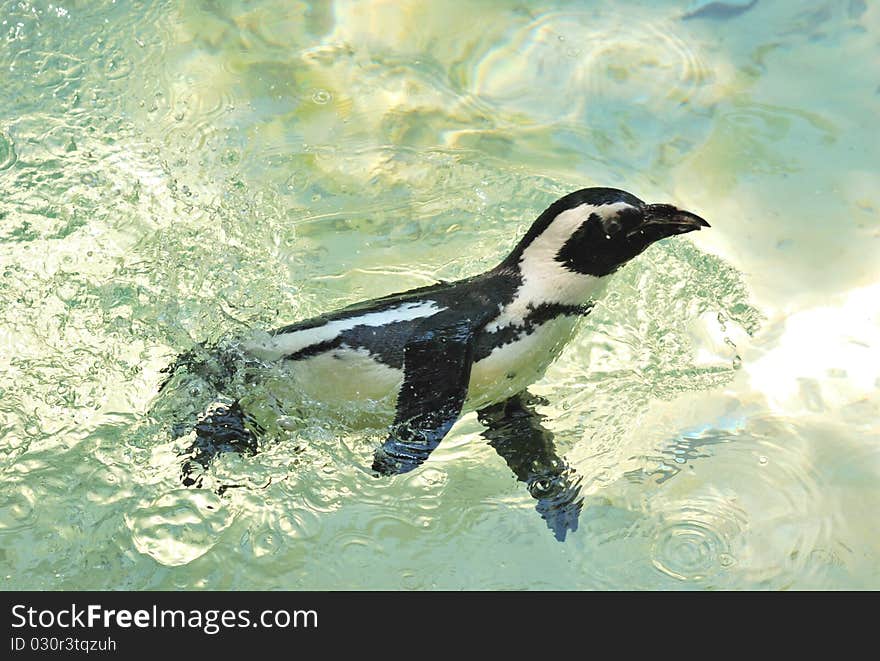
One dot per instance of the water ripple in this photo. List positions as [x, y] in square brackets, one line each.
[694, 539]
[7, 151]
[583, 61]
[179, 527]
[17, 509]
[180, 172]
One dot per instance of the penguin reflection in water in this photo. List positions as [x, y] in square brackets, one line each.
[437, 352]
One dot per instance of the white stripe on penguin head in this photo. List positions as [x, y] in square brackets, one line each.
[545, 278]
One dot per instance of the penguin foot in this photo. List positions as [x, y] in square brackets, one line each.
[514, 429]
[387, 463]
[559, 501]
[404, 450]
[220, 430]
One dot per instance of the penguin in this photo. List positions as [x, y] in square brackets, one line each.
[438, 352]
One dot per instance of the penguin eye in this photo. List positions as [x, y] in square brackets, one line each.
[624, 220]
[611, 226]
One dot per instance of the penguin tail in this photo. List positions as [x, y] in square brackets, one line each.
[216, 365]
[181, 361]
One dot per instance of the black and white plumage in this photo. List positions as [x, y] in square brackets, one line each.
[476, 344]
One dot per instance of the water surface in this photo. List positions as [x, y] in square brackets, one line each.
[179, 172]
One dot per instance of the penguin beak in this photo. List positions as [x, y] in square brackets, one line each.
[662, 220]
[666, 220]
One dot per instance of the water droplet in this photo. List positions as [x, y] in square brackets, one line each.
[229, 157]
[90, 179]
[762, 460]
[287, 423]
[321, 97]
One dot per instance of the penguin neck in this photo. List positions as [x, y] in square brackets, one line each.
[542, 279]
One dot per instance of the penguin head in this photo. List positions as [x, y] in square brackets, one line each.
[594, 231]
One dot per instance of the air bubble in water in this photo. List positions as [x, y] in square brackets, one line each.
[321, 97]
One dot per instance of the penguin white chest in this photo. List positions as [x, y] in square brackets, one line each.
[513, 366]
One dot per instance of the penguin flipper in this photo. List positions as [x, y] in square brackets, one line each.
[514, 429]
[437, 369]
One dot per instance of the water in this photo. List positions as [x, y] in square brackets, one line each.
[175, 172]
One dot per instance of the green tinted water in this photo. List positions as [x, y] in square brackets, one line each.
[174, 172]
